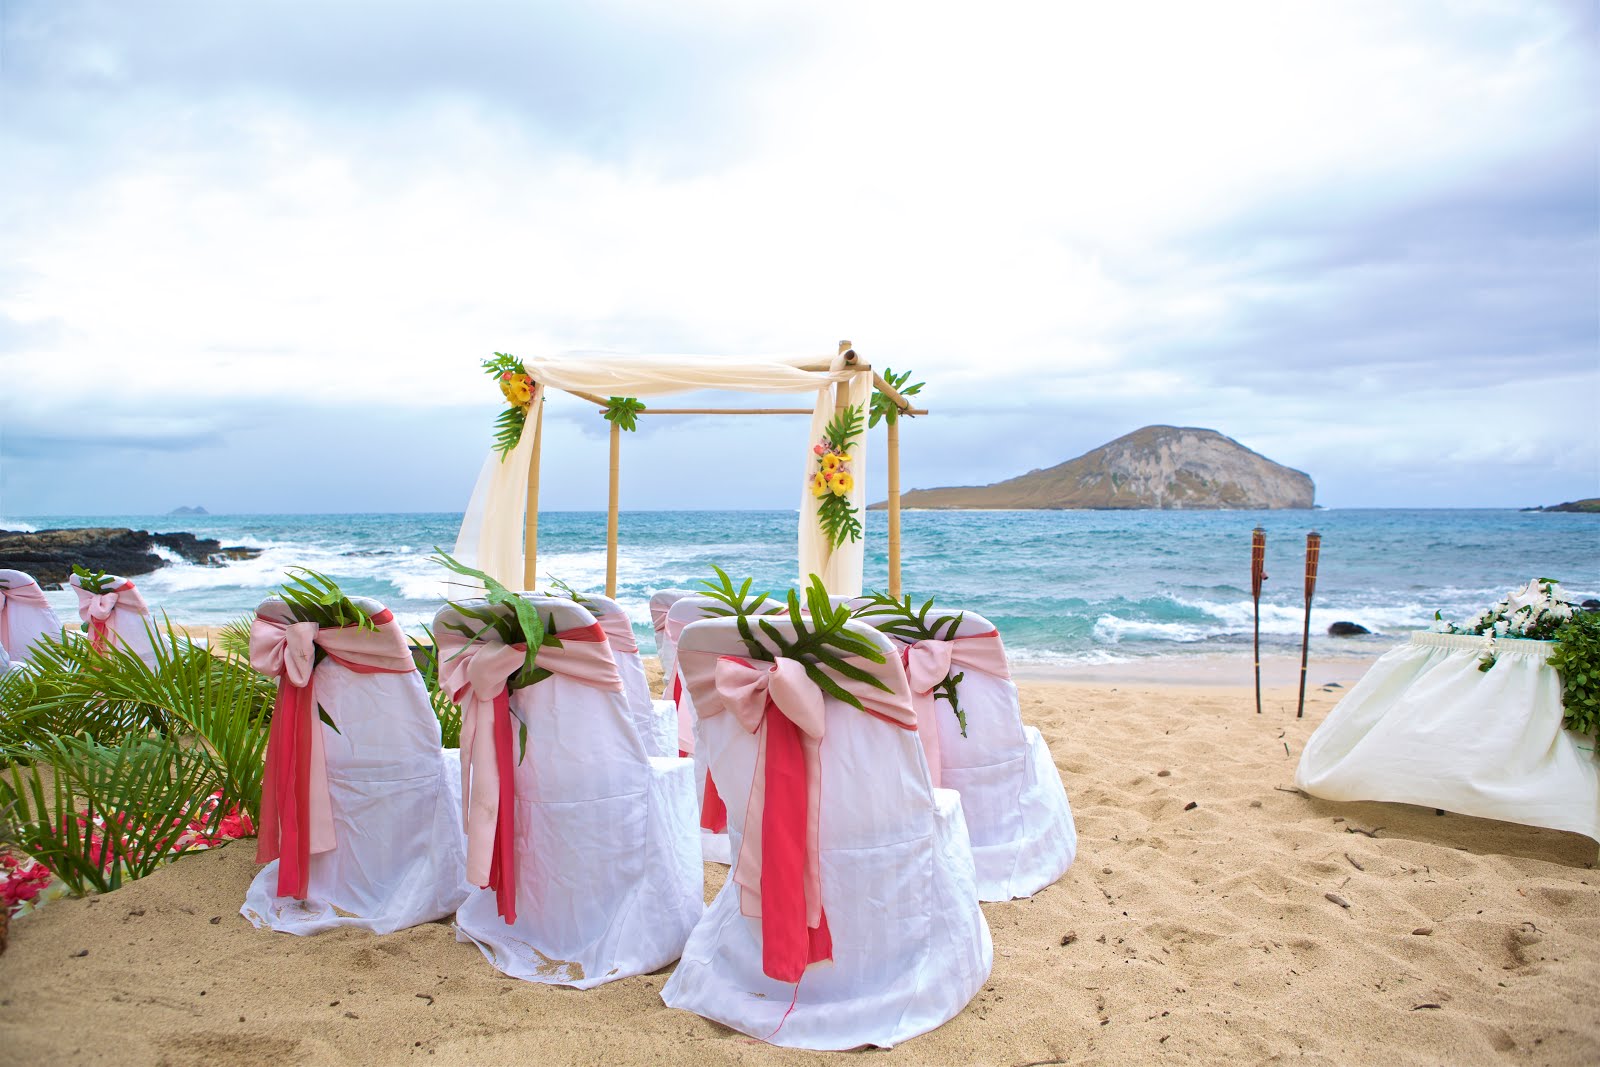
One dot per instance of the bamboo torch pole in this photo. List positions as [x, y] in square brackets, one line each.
[530, 536]
[1258, 574]
[1313, 555]
[611, 514]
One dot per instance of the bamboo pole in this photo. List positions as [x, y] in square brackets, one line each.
[1258, 574]
[1313, 555]
[747, 411]
[611, 514]
[894, 507]
[530, 536]
[892, 393]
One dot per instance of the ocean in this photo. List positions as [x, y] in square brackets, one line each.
[1064, 587]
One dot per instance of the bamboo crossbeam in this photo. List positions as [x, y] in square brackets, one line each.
[747, 411]
[530, 536]
[611, 513]
[590, 397]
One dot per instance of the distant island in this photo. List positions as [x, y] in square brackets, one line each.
[1590, 505]
[196, 510]
[1164, 467]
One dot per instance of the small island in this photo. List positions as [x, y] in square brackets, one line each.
[1587, 506]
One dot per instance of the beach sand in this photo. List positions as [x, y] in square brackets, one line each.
[1195, 926]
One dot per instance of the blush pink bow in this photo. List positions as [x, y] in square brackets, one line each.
[474, 671]
[96, 609]
[929, 663]
[296, 813]
[29, 595]
[779, 871]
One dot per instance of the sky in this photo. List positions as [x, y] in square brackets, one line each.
[251, 255]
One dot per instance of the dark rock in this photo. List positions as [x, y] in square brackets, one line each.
[48, 555]
[1347, 629]
[1590, 605]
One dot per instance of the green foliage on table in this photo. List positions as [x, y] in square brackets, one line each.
[1576, 658]
[96, 582]
[898, 618]
[820, 642]
[623, 411]
[883, 407]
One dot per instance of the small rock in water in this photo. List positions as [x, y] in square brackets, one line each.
[1347, 629]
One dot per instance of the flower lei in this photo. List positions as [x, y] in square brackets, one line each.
[1533, 613]
[517, 386]
[831, 481]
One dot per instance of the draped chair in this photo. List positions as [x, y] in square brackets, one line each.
[851, 914]
[1023, 835]
[359, 825]
[660, 604]
[656, 720]
[583, 845]
[25, 615]
[118, 616]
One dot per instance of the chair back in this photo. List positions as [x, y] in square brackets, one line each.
[25, 615]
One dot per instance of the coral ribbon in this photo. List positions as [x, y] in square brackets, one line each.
[296, 812]
[29, 595]
[928, 663]
[475, 674]
[96, 609]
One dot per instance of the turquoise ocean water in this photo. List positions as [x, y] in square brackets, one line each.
[1065, 587]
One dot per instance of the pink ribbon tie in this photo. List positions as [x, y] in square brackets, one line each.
[929, 663]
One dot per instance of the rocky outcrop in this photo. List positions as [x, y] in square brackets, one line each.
[1590, 506]
[1167, 467]
[48, 555]
[1347, 629]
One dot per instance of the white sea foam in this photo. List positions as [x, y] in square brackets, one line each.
[17, 526]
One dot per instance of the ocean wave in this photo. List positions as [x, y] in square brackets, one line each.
[18, 526]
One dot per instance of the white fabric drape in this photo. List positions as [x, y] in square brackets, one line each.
[839, 568]
[641, 376]
[491, 537]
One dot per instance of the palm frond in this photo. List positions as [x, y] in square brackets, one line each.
[882, 406]
[233, 640]
[444, 709]
[897, 618]
[530, 628]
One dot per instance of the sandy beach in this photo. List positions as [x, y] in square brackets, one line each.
[1196, 926]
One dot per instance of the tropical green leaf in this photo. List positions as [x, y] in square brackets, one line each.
[883, 407]
[623, 411]
[898, 619]
[95, 582]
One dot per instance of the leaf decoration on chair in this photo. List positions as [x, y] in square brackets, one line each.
[518, 388]
[899, 619]
[820, 641]
[314, 597]
[623, 412]
[832, 481]
[96, 582]
[883, 407]
[737, 599]
[522, 627]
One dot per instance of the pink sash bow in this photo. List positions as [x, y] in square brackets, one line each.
[475, 675]
[930, 662]
[29, 595]
[296, 813]
[779, 870]
[96, 609]
[619, 631]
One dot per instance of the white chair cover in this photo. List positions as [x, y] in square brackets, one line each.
[1023, 835]
[688, 609]
[1425, 726]
[910, 945]
[123, 614]
[609, 881]
[399, 859]
[24, 615]
[660, 604]
[656, 720]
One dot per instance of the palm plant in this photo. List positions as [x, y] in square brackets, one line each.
[444, 709]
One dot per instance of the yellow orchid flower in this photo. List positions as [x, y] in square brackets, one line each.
[841, 483]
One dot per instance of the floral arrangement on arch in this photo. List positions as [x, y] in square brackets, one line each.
[517, 386]
[832, 480]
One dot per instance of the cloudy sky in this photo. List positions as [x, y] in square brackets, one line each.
[251, 253]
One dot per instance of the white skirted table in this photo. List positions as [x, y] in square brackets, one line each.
[1425, 726]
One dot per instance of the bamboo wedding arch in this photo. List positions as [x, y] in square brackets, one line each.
[838, 382]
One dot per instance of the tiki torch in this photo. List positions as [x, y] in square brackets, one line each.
[1258, 574]
[1313, 554]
